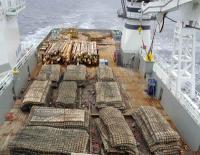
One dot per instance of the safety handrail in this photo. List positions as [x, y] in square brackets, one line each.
[186, 100]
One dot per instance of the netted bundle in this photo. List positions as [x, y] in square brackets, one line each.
[108, 94]
[58, 117]
[49, 72]
[75, 73]
[105, 73]
[160, 137]
[67, 94]
[115, 132]
[34, 140]
[37, 94]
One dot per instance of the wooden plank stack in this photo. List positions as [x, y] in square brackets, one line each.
[59, 117]
[115, 133]
[58, 53]
[85, 53]
[105, 73]
[45, 140]
[67, 94]
[75, 73]
[108, 94]
[49, 72]
[160, 137]
[38, 94]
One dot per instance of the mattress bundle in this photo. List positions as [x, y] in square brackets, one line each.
[160, 137]
[104, 73]
[108, 94]
[58, 117]
[75, 73]
[34, 140]
[49, 72]
[115, 133]
[37, 94]
[67, 94]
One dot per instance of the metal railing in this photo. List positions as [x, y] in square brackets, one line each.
[14, 6]
[191, 105]
[8, 78]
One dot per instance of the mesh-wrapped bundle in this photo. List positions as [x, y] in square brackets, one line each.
[115, 132]
[160, 137]
[67, 94]
[58, 117]
[38, 94]
[108, 94]
[49, 72]
[34, 140]
[75, 73]
[104, 73]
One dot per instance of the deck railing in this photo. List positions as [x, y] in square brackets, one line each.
[14, 6]
[191, 105]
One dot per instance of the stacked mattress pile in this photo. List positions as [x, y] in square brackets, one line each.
[38, 94]
[49, 72]
[160, 137]
[115, 133]
[104, 73]
[44, 140]
[59, 118]
[75, 73]
[67, 94]
[108, 94]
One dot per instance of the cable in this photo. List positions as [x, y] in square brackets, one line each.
[171, 19]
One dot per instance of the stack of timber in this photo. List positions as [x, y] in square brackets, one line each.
[58, 53]
[38, 94]
[59, 118]
[104, 73]
[108, 94]
[44, 140]
[115, 133]
[96, 36]
[75, 73]
[85, 53]
[67, 94]
[49, 72]
[160, 137]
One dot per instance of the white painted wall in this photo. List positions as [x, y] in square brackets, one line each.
[132, 40]
[9, 40]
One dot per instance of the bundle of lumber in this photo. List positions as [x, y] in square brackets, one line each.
[58, 52]
[104, 73]
[75, 73]
[160, 137]
[38, 94]
[43, 140]
[96, 36]
[85, 53]
[108, 94]
[67, 95]
[59, 118]
[115, 133]
[49, 72]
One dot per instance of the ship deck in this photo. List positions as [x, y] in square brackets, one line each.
[133, 87]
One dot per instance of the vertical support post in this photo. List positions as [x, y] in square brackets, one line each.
[179, 69]
[193, 64]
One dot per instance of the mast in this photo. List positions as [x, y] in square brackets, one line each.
[9, 33]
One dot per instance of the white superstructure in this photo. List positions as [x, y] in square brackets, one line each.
[9, 32]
